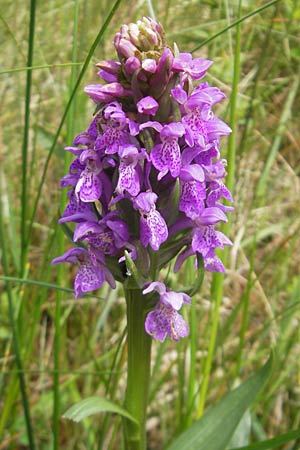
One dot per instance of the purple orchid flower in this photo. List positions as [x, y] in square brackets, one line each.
[91, 274]
[165, 320]
[195, 68]
[130, 172]
[90, 182]
[77, 211]
[165, 174]
[166, 156]
[108, 235]
[115, 130]
[204, 240]
[153, 228]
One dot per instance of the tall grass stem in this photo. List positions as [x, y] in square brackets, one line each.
[218, 278]
[61, 243]
[235, 23]
[15, 337]
[24, 199]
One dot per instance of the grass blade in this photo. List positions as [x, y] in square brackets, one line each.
[24, 200]
[286, 113]
[214, 430]
[36, 283]
[58, 339]
[44, 66]
[272, 443]
[236, 22]
[15, 338]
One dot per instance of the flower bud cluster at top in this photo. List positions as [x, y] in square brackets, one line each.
[147, 176]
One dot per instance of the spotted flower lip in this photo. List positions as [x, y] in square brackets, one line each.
[153, 228]
[165, 320]
[90, 276]
[130, 172]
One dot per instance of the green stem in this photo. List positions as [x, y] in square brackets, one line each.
[138, 370]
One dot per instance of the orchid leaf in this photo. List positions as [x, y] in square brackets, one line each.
[215, 429]
[95, 405]
[274, 442]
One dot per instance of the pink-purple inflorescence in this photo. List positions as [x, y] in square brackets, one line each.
[146, 182]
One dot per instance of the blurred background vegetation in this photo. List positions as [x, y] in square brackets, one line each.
[43, 329]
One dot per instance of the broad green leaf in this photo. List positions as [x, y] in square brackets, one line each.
[272, 443]
[241, 435]
[214, 430]
[95, 405]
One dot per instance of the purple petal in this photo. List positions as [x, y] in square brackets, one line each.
[173, 129]
[192, 172]
[86, 228]
[134, 128]
[126, 48]
[115, 89]
[209, 95]
[88, 278]
[89, 186]
[155, 286]
[120, 231]
[112, 67]
[132, 64]
[175, 299]
[192, 198]
[149, 65]
[108, 77]
[167, 157]
[150, 124]
[153, 230]
[75, 150]
[94, 91]
[147, 105]
[199, 67]
[71, 256]
[179, 95]
[216, 127]
[156, 326]
[214, 264]
[179, 329]
[165, 320]
[129, 179]
[145, 201]
[211, 216]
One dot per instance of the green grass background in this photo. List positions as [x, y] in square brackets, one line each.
[55, 350]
